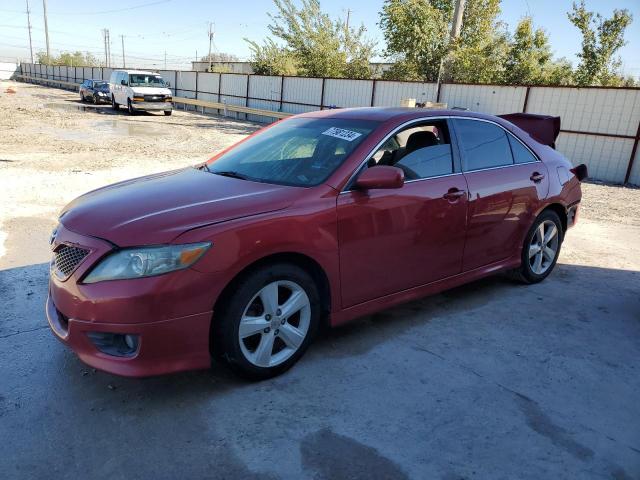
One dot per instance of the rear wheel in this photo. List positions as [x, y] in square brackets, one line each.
[114, 105]
[167, 112]
[268, 322]
[541, 248]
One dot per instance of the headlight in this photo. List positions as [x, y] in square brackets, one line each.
[142, 262]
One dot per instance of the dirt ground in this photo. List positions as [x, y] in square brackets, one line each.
[491, 380]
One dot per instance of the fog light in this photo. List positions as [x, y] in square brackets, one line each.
[116, 344]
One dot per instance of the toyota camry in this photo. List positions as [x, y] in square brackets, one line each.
[317, 219]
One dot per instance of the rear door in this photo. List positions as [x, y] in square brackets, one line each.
[504, 194]
[393, 240]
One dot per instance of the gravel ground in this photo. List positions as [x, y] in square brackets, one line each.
[491, 380]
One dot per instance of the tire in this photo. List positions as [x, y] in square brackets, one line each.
[114, 105]
[130, 107]
[82, 99]
[95, 99]
[168, 112]
[537, 261]
[273, 341]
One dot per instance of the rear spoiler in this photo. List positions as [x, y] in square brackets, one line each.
[543, 128]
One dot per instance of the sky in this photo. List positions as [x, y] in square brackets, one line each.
[151, 29]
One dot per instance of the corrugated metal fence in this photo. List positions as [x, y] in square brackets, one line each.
[600, 126]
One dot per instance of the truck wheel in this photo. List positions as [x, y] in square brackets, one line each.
[114, 105]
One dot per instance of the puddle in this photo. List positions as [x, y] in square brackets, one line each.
[102, 109]
[122, 128]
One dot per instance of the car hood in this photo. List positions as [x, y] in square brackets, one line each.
[157, 208]
[151, 91]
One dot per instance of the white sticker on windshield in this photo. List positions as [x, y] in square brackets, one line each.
[342, 134]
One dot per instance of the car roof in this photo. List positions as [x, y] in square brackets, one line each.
[383, 114]
[145, 72]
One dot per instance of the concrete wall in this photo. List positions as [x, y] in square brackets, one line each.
[599, 125]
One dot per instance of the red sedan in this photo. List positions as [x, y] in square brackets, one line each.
[323, 217]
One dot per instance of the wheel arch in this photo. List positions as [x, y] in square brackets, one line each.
[301, 260]
[560, 210]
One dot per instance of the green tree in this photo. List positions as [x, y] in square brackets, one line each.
[314, 43]
[416, 33]
[69, 59]
[271, 59]
[529, 59]
[417, 36]
[601, 39]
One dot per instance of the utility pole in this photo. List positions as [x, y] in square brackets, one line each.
[348, 15]
[109, 47]
[456, 27]
[46, 29]
[210, 42]
[106, 52]
[29, 27]
[457, 19]
[124, 63]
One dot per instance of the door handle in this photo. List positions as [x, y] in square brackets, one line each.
[536, 177]
[454, 194]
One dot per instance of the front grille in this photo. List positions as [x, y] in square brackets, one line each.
[67, 258]
[154, 98]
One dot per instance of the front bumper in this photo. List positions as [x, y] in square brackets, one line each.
[148, 106]
[171, 314]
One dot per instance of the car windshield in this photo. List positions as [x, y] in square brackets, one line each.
[300, 152]
[145, 80]
[100, 84]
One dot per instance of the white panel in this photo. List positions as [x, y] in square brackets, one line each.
[106, 73]
[489, 99]
[208, 86]
[265, 87]
[295, 108]
[634, 178]
[302, 90]
[86, 73]
[347, 93]
[606, 158]
[389, 94]
[233, 84]
[186, 84]
[601, 110]
[49, 72]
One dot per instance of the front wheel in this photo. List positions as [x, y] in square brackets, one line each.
[114, 105]
[167, 112]
[82, 99]
[130, 107]
[541, 248]
[268, 321]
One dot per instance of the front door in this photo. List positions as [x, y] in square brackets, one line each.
[392, 240]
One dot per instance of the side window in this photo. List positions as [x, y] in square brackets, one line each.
[421, 151]
[521, 154]
[483, 144]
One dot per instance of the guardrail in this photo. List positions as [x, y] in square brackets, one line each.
[225, 107]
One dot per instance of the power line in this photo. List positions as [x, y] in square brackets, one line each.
[114, 10]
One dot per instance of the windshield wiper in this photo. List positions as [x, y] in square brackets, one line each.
[230, 173]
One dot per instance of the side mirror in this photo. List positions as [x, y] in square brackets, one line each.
[168, 84]
[382, 176]
[123, 82]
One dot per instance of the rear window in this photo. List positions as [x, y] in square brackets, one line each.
[300, 152]
[483, 144]
[521, 154]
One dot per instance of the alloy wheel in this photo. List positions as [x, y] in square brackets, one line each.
[274, 324]
[543, 247]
